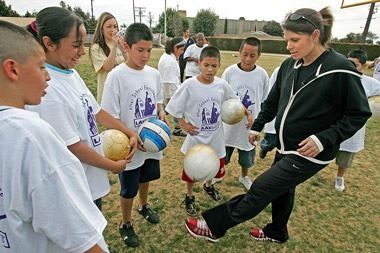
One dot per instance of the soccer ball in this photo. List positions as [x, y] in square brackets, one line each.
[115, 144]
[201, 163]
[155, 135]
[374, 104]
[232, 111]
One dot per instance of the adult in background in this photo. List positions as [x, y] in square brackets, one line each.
[191, 56]
[318, 102]
[182, 63]
[106, 50]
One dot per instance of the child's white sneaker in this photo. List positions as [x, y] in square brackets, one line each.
[246, 181]
[339, 184]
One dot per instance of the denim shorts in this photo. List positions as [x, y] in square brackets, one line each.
[246, 157]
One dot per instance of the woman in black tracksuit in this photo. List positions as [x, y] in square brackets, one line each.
[318, 102]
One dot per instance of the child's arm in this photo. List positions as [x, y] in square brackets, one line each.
[89, 156]
[249, 118]
[161, 113]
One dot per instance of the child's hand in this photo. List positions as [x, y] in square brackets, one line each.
[253, 138]
[119, 166]
[188, 127]
[133, 142]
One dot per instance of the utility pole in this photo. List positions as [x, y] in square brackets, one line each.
[150, 19]
[134, 16]
[165, 24]
[369, 18]
[140, 11]
[92, 10]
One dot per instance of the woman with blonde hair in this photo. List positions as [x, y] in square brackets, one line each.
[106, 50]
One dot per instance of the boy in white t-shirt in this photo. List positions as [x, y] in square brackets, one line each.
[170, 73]
[133, 94]
[351, 146]
[196, 105]
[251, 83]
[45, 202]
[191, 56]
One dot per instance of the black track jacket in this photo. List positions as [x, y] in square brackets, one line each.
[331, 105]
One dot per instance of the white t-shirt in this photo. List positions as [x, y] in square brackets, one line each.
[45, 202]
[269, 127]
[132, 96]
[70, 108]
[356, 142]
[170, 74]
[200, 104]
[252, 88]
[192, 68]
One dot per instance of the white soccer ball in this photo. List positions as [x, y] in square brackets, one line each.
[201, 163]
[155, 135]
[374, 104]
[232, 111]
[115, 144]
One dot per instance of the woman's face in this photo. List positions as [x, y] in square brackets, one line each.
[69, 50]
[109, 29]
[299, 45]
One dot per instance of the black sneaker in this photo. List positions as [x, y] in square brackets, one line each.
[179, 132]
[190, 205]
[210, 190]
[128, 235]
[262, 154]
[149, 214]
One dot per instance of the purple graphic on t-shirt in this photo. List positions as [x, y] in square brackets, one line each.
[246, 101]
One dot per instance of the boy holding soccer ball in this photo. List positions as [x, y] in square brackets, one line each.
[199, 100]
[133, 94]
[45, 202]
[251, 84]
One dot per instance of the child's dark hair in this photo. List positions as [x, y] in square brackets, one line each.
[169, 46]
[136, 32]
[253, 41]
[55, 23]
[16, 43]
[358, 54]
[210, 51]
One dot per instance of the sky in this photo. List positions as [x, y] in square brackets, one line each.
[347, 20]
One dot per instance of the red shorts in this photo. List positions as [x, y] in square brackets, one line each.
[220, 174]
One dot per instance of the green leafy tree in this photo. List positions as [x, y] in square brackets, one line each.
[6, 11]
[89, 22]
[174, 23]
[273, 28]
[205, 21]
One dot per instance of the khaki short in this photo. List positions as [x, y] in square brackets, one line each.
[344, 159]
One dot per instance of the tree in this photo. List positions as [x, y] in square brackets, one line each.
[273, 28]
[88, 21]
[174, 23]
[6, 11]
[357, 38]
[205, 21]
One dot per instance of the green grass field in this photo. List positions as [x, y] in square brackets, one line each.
[323, 220]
